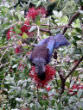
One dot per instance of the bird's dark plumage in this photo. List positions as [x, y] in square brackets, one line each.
[42, 53]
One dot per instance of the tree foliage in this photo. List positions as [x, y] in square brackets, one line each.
[18, 35]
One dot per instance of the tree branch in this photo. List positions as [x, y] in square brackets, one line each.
[73, 69]
[61, 75]
[63, 80]
[74, 17]
[45, 30]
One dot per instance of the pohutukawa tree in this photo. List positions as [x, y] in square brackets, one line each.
[41, 55]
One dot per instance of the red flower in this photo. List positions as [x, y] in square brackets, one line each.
[21, 67]
[9, 33]
[45, 97]
[75, 88]
[25, 28]
[50, 72]
[28, 53]
[18, 49]
[80, 87]
[48, 89]
[32, 13]
[42, 11]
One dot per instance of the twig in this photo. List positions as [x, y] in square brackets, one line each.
[73, 69]
[63, 80]
[45, 30]
[55, 27]
[74, 17]
[2, 48]
[56, 81]
[37, 94]
[38, 33]
[3, 55]
[48, 30]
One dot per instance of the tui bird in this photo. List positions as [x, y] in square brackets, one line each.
[42, 52]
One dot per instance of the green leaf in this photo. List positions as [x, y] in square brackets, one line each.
[79, 93]
[81, 12]
[38, 3]
[33, 28]
[38, 20]
[24, 36]
[76, 38]
[17, 30]
[67, 84]
[15, 66]
[78, 30]
[26, 47]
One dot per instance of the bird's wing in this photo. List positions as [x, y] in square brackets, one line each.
[42, 42]
[60, 40]
[50, 45]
